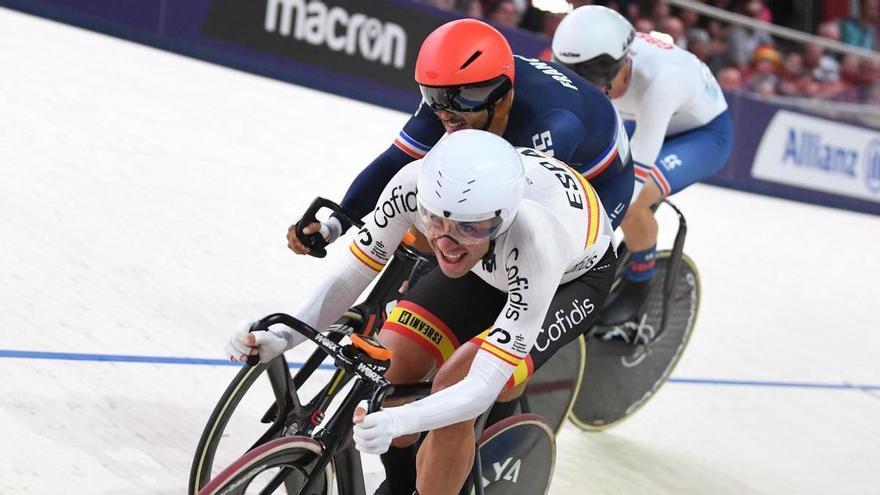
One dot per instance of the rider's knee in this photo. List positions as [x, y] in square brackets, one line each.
[513, 393]
[411, 362]
[455, 368]
[444, 379]
[405, 440]
[457, 430]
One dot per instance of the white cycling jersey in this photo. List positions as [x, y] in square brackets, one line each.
[670, 91]
[560, 232]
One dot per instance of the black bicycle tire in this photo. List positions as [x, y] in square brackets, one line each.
[203, 459]
[587, 426]
[270, 455]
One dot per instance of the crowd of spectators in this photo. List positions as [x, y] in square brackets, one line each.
[742, 59]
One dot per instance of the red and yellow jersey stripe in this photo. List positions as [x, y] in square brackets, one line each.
[523, 367]
[500, 353]
[521, 373]
[593, 213]
[365, 258]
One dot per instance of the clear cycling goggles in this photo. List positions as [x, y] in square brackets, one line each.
[463, 232]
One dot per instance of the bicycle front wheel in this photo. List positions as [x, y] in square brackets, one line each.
[241, 416]
[281, 466]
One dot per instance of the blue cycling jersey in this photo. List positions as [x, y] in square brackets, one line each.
[553, 110]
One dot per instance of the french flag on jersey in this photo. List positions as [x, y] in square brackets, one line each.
[410, 146]
[644, 172]
[610, 154]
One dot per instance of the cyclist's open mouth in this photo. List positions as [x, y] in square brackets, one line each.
[454, 124]
[452, 258]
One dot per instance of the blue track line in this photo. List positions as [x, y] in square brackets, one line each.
[122, 358]
[754, 383]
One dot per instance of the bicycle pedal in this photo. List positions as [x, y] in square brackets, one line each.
[634, 332]
[626, 303]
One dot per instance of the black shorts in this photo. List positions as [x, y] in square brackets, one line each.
[441, 313]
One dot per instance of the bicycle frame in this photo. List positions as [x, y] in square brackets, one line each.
[370, 382]
[350, 363]
[332, 436]
[668, 282]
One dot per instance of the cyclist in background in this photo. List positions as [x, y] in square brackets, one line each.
[677, 115]
[470, 79]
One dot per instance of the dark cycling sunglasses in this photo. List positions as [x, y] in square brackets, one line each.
[466, 98]
[600, 70]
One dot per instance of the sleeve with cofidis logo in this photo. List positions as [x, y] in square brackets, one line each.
[531, 274]
[387, 224]
[370, 250]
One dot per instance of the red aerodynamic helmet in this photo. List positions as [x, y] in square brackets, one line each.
[464, 66]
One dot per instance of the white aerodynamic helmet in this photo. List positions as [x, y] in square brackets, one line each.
[593, 41]
[471, 176]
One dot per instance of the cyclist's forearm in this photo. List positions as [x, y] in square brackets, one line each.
[334, 293]
[465, 400]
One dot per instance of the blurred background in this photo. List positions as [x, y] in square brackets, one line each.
[145, 196]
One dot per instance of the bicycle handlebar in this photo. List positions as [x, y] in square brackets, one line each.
[379, 397]
[315, 242]
[351, 363]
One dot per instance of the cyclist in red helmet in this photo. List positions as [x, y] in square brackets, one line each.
[470, 79]
[464, 69]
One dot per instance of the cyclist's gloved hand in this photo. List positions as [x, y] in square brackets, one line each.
[268, 344]
[329, 231]
[373, 432]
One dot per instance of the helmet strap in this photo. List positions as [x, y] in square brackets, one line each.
[488, 124]
[491, 112]
[626, 69]
[489, 257]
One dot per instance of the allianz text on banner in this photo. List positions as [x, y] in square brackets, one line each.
[822, 155]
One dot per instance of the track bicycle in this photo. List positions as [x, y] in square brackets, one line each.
[289, 414]
[514, 456]
[551, 392]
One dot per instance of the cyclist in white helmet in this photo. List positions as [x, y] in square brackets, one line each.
[520, 239]
[674, 111]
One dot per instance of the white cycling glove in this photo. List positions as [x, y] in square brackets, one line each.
[267, 344]
[374, 433]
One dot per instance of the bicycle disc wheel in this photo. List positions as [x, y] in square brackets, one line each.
[287, 462]
[553, 388]
[616, 385]
[517, 456]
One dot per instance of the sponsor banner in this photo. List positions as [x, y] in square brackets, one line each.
[362, 50]
[366, 39]
[821, 155]
[140, 15]
[355, 49]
